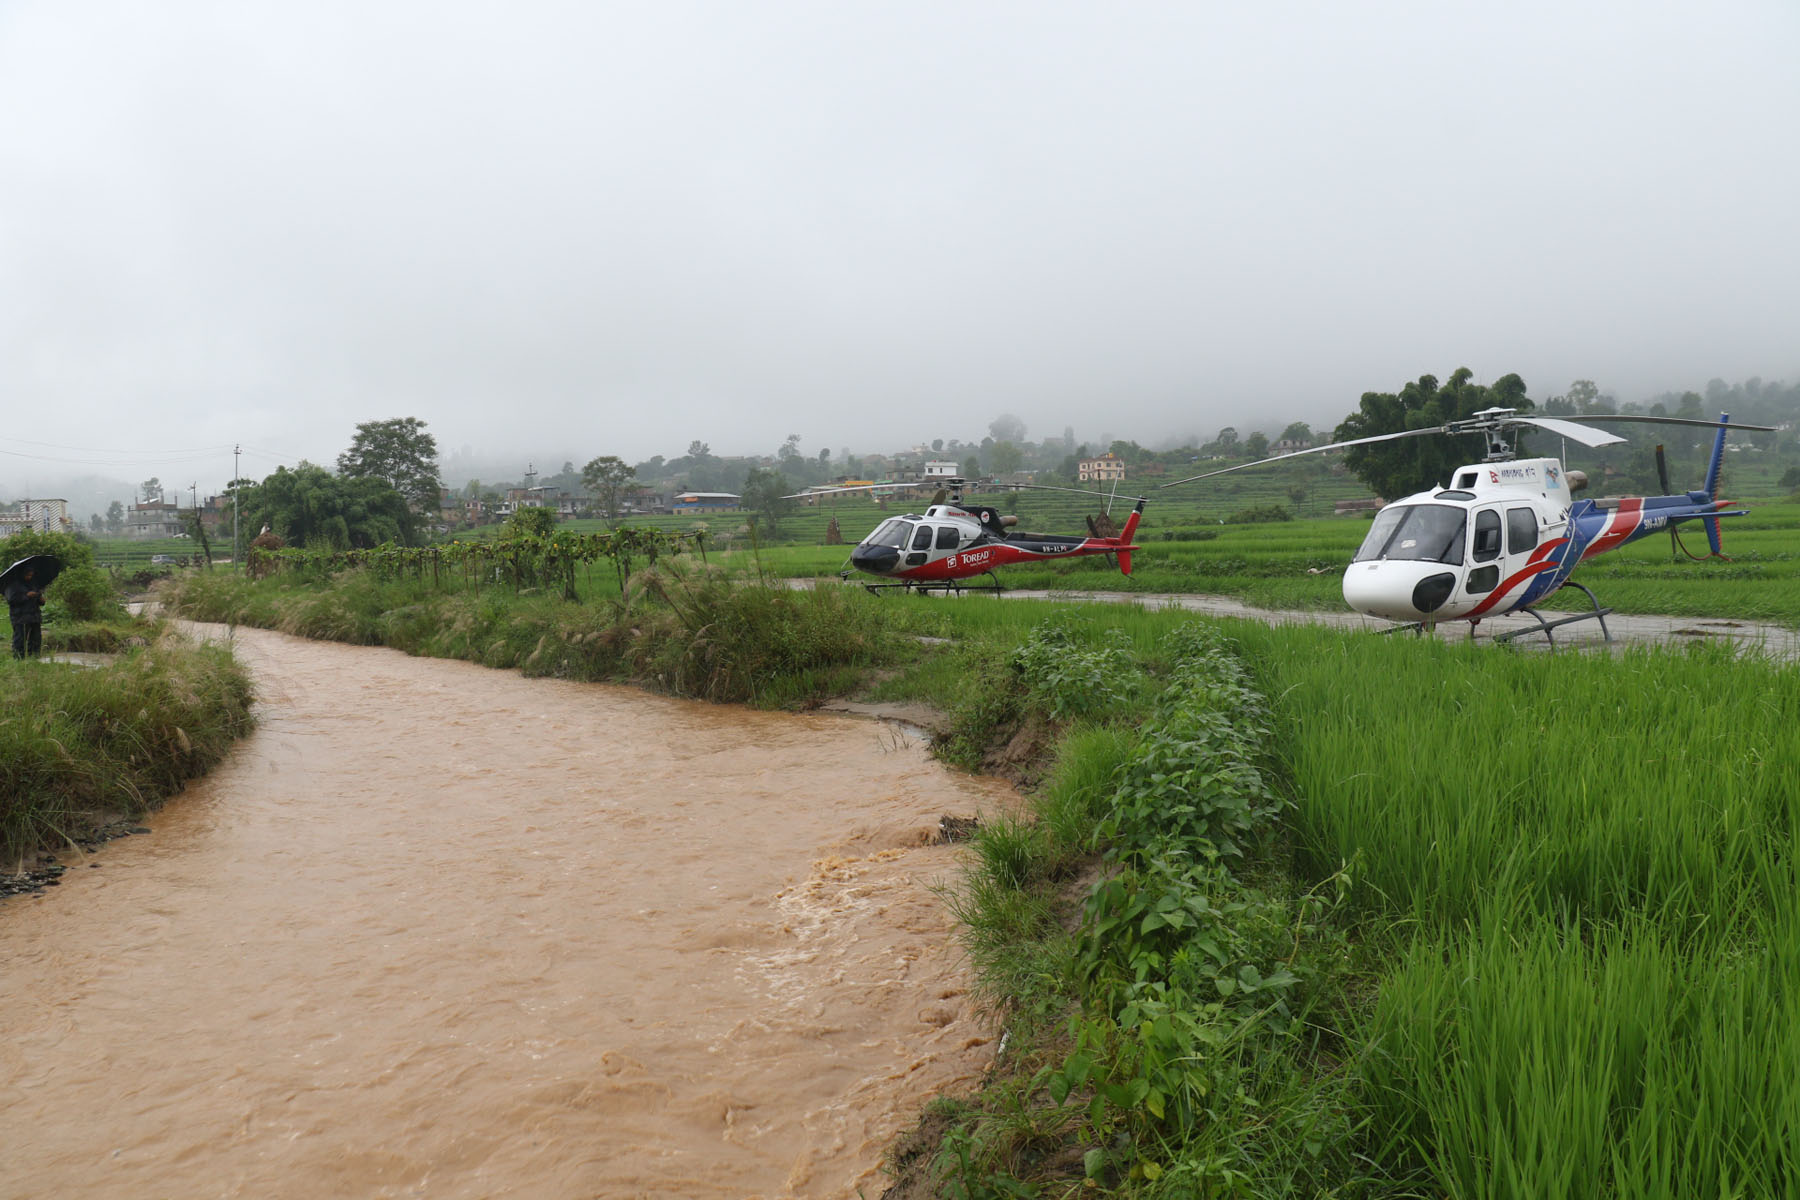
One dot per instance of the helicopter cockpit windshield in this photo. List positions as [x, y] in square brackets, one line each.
[1419, 532]
[893, 533]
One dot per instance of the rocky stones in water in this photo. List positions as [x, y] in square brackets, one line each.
[46, 872]
[956, 829]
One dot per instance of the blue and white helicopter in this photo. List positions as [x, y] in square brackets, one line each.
[1504, 534]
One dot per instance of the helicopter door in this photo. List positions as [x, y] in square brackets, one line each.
[1521, 539]
[1484, 553]
[921, 547]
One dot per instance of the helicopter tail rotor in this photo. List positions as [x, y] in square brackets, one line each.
[1714, 469]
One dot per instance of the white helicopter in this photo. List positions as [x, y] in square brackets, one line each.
[1505, 533]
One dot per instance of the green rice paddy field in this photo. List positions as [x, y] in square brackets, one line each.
[1575, 905]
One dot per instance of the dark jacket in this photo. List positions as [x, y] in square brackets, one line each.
[23, 608]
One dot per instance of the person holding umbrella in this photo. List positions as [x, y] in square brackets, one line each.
[24, 583]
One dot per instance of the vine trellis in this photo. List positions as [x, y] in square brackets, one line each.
[517, 560]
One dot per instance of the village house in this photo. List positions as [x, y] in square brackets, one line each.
[643, 500]
[565, 504]
[45, 516]
[707, 502]
[1107, 468]
[154, 519]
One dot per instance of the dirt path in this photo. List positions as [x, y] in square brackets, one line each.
[1626, 628]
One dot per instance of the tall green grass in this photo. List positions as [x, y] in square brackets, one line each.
[1527, 1058]
[1580, 872]
[116, 738]
[683, 627]
[1658, 781]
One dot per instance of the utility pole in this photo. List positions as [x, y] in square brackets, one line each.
[235, 489]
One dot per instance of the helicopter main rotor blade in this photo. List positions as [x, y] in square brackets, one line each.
[1380, 437]
[1584, 434]
[1609, 418]
[1049, 487]
[861, 487]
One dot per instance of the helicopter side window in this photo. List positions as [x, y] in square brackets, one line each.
[1521, 531]
[1487, 535]
[922, 538]
[1419, 532]
[946, 537]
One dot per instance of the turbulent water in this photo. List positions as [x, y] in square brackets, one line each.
[435, 930]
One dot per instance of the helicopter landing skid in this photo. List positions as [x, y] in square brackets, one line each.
[1599, 614]
[1544, 627]
[946, 586]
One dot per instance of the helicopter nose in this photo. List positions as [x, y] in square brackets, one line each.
[877, 560]
[1398, 591]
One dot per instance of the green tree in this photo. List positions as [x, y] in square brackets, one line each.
[115, 518]
[401, 454]
[96, 523]
[766, 494]
[533, 520]
[1257, 445]
[1299, 431]
[1007, 428]
[309, 506]
[1005, 457]
[1400, 468]
[606, 478]
[196, 529]
[151, 489]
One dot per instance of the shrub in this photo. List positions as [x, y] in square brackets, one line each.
[83, 593]
[1257, 516]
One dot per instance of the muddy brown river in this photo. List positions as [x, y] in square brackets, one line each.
[436, 930]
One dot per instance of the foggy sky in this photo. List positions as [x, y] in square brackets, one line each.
[589, 228]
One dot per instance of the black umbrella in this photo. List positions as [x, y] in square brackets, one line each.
[44, 568]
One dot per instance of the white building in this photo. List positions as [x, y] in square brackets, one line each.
[45, 516]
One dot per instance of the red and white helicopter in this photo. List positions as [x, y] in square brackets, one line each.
[952, 541]
[1506, 533]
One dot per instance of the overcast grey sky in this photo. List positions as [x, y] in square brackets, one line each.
[591, 228]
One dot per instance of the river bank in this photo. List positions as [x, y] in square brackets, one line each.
[86, 750]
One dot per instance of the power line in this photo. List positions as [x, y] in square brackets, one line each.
[106, 450]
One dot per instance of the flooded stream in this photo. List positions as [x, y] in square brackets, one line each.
[435, 930]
